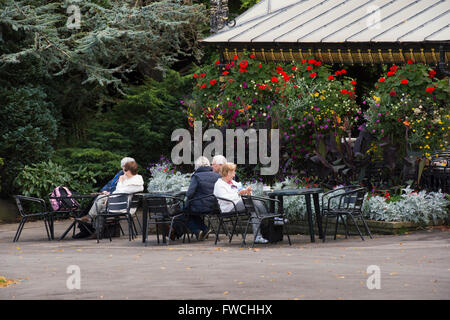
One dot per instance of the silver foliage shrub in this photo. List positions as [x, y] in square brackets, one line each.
[414, 206]
[165, 179]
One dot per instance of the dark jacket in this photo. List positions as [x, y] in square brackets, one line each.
[202, 184]
[112, 184]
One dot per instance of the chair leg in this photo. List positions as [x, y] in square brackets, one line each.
[366, 226]
[244, 236]
[356, 225]
[257, 232]
[47, 229]
[170, 231]
[19, 229]
[337, 223]
[345, 227]
[325, 229]
[218, 230]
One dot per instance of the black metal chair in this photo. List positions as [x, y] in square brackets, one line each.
[166, 210]
[233, 217]
[117, 208]
[348, 202]
[258, 218]
[20, 200]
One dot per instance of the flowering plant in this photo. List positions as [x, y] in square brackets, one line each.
[409, 105]
[165, 177]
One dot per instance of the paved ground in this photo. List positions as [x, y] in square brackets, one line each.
[412, 266]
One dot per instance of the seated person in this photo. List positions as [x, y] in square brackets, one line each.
[129, 182]
[217, 162]
[110, 187]
[227, 188]
[202, 184]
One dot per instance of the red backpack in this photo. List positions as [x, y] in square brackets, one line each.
[64, 204]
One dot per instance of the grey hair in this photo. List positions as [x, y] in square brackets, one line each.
[126, 160]
[201, 162]
[219, 159]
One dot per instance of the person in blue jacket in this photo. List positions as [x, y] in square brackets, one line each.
[202, 184]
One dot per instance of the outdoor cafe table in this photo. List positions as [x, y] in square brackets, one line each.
[307, 192]
[144, 196]
[76, 214]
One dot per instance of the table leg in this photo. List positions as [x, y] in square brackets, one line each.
[318, 214]
[144, 220]
[309, 213]
[280, 204]
[272, 205]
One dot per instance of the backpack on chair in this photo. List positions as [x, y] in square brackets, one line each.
[64, 204]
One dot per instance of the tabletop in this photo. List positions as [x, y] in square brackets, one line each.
[294, 192]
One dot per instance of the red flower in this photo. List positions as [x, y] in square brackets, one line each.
[409, 62]
[394, 68]
[311, 61]
[260, 65]
[274, 79]
[252, 56]
[212, 82]
[295, 87]
[344, 91]
[313, 75]
[203, 86]
[337, 73]
[294, 68]
[330, 77]
[390, 73]
[262, 87]
[343, 71]
[353, 82]
[195, 75]
[318, 63]
[392, 93]
[217, 62]
[286, 77]
[242, 70]
[382, 79]
[202, 75]
[430, 89]
[279, 69]
[235, 57]
[431, 74]
[404, 81]
[309, 68]
[303, 61]
[225, 73]
[243, 64]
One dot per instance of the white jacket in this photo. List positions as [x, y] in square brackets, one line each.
[130, 185]
[227, 191]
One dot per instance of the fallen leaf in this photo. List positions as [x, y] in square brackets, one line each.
[79, 250]
[393, 273]
[240, 282]
[226, 292]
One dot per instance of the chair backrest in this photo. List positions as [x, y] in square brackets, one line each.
[353, 199]
[31, 203]
[118, 203]
[249, 205]
[159, 206]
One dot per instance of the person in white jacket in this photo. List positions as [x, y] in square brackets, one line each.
[129, 182]
[227, 188]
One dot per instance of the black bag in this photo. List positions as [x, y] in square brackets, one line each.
[271, 232]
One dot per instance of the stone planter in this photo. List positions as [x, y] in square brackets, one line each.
[376, 227]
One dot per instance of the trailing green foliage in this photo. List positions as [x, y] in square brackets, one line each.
[40, 179]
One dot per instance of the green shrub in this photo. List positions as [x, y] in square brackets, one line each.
[104, 164]
[40, 179]
[27, 132]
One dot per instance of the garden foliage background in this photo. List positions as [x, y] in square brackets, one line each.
[75, 101]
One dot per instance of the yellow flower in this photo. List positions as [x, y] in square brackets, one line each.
[316, 94]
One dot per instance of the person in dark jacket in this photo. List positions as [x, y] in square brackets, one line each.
[202, 184]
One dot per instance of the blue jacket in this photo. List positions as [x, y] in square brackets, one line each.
[112, 184]
[202, 184]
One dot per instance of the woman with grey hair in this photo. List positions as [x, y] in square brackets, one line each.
[202, 184]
